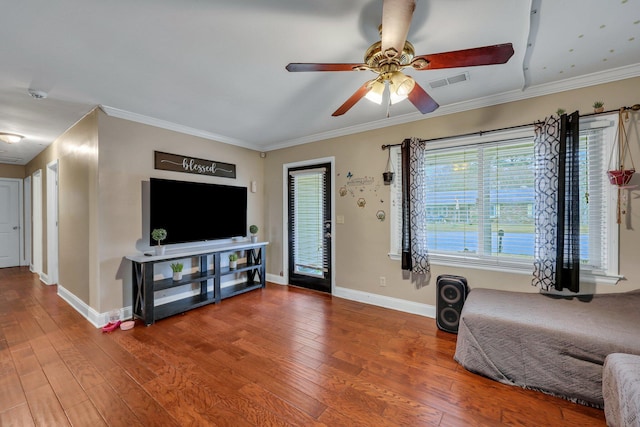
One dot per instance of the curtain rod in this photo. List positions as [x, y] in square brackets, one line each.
[634, 107]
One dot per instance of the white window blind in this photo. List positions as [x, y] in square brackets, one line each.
[480, 202]
[308, 188]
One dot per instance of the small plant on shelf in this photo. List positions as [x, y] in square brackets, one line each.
[159, 234]
[177, 267]
[253, 229]
[233, 261]
[598, 107]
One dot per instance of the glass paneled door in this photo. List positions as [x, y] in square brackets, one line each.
[310, 227]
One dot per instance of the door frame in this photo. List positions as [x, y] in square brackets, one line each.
[285, 217]
[52, 222]
[36, 224]
[26, 222]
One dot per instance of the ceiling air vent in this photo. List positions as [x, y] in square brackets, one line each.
[459, 78]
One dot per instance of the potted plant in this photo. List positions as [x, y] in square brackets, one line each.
[177, 267]
[560, 111]
[233, 261]
[253, 229]
[598, 107]
[159, 234]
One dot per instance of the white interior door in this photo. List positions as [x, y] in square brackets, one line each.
[9, 223]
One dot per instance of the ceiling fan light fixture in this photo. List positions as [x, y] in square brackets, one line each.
[376, 93]
[10, 138]
[400, 86]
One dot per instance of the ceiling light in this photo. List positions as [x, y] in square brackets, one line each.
[400, 86]
[10, 138]
[376, 92]
[37, 94]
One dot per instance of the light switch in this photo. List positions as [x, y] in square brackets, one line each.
[340, 219]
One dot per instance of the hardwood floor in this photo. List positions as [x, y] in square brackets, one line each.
[278, 356]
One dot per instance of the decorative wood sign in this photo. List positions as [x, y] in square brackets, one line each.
[177, 163]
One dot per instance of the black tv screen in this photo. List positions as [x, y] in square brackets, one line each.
[195, 211]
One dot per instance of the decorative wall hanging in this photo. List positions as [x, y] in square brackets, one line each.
[381, 215]
[186, 164]
[618, 175]
[387, 175]
[342, 191]
[361, 203]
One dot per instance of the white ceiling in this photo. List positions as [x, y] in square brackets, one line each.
[216, 68]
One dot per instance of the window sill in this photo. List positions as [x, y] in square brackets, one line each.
[586, 276]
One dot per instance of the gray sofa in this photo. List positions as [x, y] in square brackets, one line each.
[554, 345]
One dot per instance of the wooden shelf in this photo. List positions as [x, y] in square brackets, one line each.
[144, 284]
[180, 306]
[239, 288]
[239, 269]
[167, 283]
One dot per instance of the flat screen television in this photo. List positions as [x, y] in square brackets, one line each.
[196, 211]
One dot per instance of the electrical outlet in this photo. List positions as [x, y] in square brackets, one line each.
[383, 281]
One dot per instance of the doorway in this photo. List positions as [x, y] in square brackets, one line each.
[36, 222]
[310, 226]
[52, 222]
[10, 201]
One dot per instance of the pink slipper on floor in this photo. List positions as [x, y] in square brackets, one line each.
[125, 326]
[110, 327]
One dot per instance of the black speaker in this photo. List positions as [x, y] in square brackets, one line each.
[452, 291]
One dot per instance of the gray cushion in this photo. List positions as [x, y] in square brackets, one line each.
[621, 390]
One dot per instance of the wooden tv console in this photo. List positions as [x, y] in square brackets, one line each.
[144, 283]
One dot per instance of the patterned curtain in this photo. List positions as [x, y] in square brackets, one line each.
[557, 204]
[414, 219]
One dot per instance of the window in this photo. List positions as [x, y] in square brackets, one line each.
[480, 194]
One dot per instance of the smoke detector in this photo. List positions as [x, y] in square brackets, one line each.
[37, 94]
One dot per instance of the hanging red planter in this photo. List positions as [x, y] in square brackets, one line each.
[620, 177]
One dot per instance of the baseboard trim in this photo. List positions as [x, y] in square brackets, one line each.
[44, 279]
[95, 318]
[386, 302]
[100, 319]
[80, 306]
[373, 299]
[275, 278]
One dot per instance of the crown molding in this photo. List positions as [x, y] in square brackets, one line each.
[593, 79]
[608, 76]
[163, 124]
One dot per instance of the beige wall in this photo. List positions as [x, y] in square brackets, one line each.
[362, 242]
[76, 151]
[12, 171]
[126, 161]
[103, 162]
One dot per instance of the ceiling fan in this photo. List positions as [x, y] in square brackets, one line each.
[393, 53]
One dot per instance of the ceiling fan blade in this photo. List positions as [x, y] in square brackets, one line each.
[357, 96]
[486, 55]
[296, 67]
[396, 20]
[422, 100]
